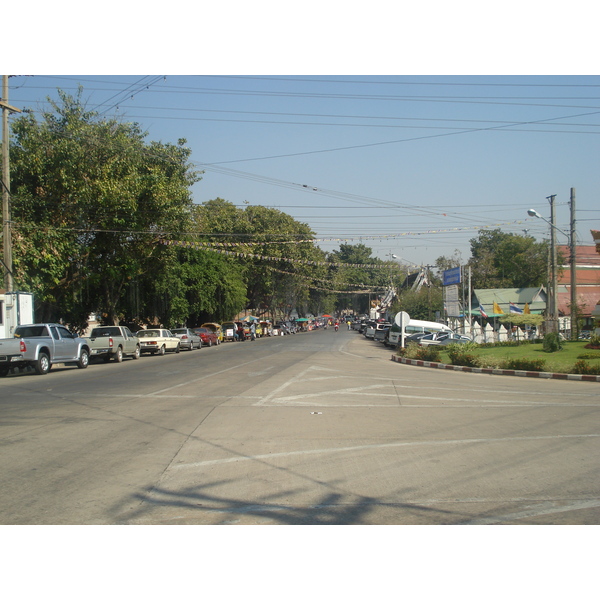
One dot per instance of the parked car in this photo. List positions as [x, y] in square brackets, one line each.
[369, 329]
[443, 338]
[42, 345]
[113, 341]
[208, 336]
[216, 328]
[158, 341]
[187, 338]
[381, 331]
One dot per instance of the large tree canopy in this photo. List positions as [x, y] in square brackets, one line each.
[507, 260]
[91, 203]
[274, 251]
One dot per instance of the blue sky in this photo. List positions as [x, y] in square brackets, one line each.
[291, 110]
[410, 165]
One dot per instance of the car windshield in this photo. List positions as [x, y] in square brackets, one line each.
[149, 333]
[176, 331]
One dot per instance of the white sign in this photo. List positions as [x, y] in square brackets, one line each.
[453, 309]
[451, 293]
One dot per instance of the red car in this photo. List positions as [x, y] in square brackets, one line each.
[208, 336]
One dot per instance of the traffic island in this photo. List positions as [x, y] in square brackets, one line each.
[489, 371]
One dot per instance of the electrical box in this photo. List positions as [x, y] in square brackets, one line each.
[16, 308]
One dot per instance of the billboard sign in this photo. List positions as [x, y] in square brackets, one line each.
[452, 276]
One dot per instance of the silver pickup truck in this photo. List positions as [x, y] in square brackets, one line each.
[113, 341]
[42, 345]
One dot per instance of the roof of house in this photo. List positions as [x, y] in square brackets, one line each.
[587, 298]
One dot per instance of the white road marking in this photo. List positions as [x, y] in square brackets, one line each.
[262, 457]
[547, 508]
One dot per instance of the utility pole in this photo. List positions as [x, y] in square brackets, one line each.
[553, 320]
[6, 233]
[573, 267]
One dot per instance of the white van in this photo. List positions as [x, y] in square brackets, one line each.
[414, 326]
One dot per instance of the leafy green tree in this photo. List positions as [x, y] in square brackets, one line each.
[367, 277]
[421, 305]
[507, 260]
[92, 203]
[273, 250]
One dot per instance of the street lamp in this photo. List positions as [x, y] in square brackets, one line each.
[552, 316]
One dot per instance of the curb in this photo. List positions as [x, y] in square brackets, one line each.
[532, 374]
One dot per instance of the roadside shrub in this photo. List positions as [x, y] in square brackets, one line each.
[581, 367]
[416, 352]
[594, 342]
[509, 343]
[552, 342]
[523, 364]
[429, 353]
[589, 356]
[462, 354]
[488, 362]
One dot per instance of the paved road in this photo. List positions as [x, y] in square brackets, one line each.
[317, 428]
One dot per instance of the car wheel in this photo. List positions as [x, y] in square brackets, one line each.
[209, 343]
[42, 364]
[119, 355]
[191, 346]
[178, 349]
[4, 371]
[84, 359]
[137, 353]
[162, 350]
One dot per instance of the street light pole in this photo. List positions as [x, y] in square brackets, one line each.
[552, 314]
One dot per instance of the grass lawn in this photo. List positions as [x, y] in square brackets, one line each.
[556, 362]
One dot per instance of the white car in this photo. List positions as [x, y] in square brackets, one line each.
[158, 341]
[443, 338]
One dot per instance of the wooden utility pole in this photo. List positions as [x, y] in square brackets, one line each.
[6, 233]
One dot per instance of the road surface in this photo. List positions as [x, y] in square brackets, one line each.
[315, 428]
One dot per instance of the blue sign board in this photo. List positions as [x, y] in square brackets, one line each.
[452, 276]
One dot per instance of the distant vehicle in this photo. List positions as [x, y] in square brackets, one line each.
[381, 332]
[158, 341]
[114, 342]
[413, 326]
[264, 329]
[208, 336]
[228, 328]
[443, 338]
[216, 328]
[283, 326]
[357, 324]
[187, 338]
[42, 345]
[369, 329]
